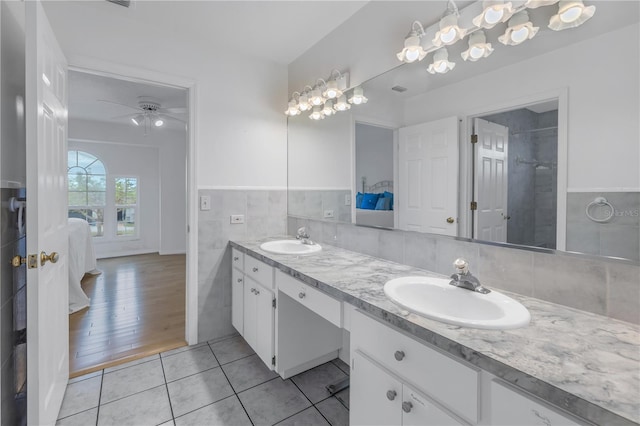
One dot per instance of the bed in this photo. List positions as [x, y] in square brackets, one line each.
[380, 218]
[82, 260]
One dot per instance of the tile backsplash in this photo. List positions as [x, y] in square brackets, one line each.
[602, 286]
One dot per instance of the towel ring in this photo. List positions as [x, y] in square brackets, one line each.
[600, 201]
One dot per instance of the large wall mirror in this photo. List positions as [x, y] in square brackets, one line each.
[555, 163]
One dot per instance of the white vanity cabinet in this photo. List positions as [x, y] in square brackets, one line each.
[253, 304]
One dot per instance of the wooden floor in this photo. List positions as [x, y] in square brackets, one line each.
[137, 309]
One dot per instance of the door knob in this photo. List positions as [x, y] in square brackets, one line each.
[18, 260]
[255, 269]
[450, 220]
[53, 257]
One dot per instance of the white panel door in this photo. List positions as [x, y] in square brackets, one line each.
[264, 325]
[491, 181]
[48, 283]
[427, 193]
[375, 396]
[250, 314]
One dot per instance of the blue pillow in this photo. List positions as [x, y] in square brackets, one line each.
[359, 197]
[389, 195]
[384, 203]
[369, 201]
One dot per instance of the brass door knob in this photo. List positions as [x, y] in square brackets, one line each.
[18, 260]
[53, 257]
[450, 220]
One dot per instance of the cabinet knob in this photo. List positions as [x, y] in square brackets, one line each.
[391, 395]
[257, 292]
[407, 406]
[399, 355]
[239, 280]
[301, 295]
[236, 258]
[255, 269]
[253, 290]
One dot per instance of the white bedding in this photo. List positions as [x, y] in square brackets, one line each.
[82, 259]
[382, 218]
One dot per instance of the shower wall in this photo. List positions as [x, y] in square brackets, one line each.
[532, 188]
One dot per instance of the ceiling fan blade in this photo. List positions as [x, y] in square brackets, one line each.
[174, 110]
[122, 116]
[118, 103]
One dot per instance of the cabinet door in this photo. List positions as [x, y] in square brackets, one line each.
[375, 396]
[264, 325]
[419, 411]
[237, 300]
[250, 314]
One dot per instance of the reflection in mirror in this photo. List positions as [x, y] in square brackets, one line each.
[569, 174]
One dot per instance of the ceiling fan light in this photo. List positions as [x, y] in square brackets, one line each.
[441, 64]
[449, 31]
[519, 30]
[138, 119]
[158, 122]
[494, 12]
[358, 98]
[571, 14]
[478, 47]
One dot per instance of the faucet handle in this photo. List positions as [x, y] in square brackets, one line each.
[461, 265]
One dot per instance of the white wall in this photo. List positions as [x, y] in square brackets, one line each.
[601, 75]
[240, 128]
[168, 158]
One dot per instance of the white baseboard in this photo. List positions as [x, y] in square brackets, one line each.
[125, 253]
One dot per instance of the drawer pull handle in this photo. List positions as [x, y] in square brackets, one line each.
[391, 395]
[399, 355]
[407, 406]
[301, 295]
[236, 258]
[239, 280]
[255, 269]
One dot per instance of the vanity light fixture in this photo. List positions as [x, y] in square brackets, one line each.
[450, 31]
[493, 13]
[328, 110]
[316, 114]
[441, 64]
[334, 86]
[571, 14]
[316, 98]
[293, 105]
[520, 29]
[341, 104]
[412, 50]
[478, 47]
[357, 97]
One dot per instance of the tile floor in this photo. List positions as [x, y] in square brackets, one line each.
[215, 383]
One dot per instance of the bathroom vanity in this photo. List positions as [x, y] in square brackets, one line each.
[567, 367]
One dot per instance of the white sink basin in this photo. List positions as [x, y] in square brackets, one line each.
[290, 247]
[435, 298]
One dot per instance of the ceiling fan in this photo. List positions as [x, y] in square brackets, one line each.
[149, 112]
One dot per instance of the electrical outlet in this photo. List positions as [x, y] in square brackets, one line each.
[237, 218]
[328, 213]
[347, 200]
[205, 202]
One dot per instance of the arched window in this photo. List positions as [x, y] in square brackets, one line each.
[87, 189]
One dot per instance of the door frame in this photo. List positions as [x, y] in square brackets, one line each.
[466, 156]
[137, 75]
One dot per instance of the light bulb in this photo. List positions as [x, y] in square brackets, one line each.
[476, 52]
[520, 35]
[493, 15]
[316, 98]
[292, 109]
[341, 104]
[441, 62]
[520, 29]
[303, 103]
[412, 54]
[358, 97]
[135, 121]
[448, 36]
[332, 91]
[571, 14]
[316, 114]
[327, 110]
[158, 122]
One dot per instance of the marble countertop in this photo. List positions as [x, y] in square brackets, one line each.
[585, 363]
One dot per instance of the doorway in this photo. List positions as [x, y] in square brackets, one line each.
[515, 176]
[128, 144]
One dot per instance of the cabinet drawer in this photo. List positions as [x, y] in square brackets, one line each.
[510, 407]
[449, 382]
[420, 411]
[261, 272]
[323, 305]
[237, 259]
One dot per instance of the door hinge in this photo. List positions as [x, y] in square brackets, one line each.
[474, 205]
[273, 360]
[273, 303]
[474, 138]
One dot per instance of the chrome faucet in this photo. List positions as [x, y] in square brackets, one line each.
[304, 237]
[464, 279]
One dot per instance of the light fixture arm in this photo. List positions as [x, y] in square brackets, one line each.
[452, 9]
[419, 32]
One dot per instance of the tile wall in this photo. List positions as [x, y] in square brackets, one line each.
[601, 286]
[265, 213]
[314, 204]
